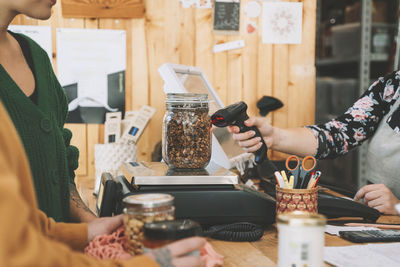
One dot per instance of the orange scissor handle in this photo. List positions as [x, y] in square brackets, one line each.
[292, 158]
[309, 161]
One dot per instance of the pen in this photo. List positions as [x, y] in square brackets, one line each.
[277, 180]
[311, 183]
[316, 182]
[280, 180]
[377, 225]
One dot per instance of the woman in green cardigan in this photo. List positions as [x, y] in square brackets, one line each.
[38, 108]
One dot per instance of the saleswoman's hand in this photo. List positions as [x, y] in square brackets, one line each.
[379, 197]
[104, 226]
[175, 254]
[247, 139]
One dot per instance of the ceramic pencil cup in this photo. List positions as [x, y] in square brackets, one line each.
[289, 200]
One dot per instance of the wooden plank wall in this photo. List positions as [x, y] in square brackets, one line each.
[170, 33]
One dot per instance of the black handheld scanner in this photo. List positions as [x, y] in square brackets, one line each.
[236, 114]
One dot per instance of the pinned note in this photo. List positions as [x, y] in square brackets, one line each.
[282, 22]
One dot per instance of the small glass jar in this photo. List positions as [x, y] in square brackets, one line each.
[145, 208]
[186, 139]
[159, 234]
[301, 239]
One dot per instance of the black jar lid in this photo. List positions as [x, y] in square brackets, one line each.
[171, 230]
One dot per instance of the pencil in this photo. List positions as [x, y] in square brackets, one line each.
[285, 179]
[291, 182]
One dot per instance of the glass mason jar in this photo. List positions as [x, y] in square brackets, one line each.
[141, 209]
[159, 234]
[186, 139]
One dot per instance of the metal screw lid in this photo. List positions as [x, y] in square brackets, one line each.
[299, 218]
[148, 200]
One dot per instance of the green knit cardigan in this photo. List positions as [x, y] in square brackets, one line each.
[41, 129]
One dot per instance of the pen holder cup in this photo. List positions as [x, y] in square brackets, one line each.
[289, 200]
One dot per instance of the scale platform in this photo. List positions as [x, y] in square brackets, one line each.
[158, 173]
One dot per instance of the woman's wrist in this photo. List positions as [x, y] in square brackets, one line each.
[276, 138]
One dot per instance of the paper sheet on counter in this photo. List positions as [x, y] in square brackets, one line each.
[334, 230]
[370, 255]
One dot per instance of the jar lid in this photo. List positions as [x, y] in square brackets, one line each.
[186, 97]
[299, 218]
[148, 200]
[171, 230]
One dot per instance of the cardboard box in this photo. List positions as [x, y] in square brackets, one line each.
[379, 12]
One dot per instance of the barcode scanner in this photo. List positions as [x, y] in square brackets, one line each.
[236, 114]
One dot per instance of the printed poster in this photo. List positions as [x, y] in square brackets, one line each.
[282, 22]
[91, 68]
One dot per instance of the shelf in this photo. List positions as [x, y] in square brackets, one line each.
[326, 62]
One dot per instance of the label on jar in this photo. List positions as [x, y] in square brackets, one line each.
[300, 245]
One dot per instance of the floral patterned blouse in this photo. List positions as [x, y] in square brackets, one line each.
[360, 121]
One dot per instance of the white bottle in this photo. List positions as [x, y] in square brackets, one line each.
[301, 239]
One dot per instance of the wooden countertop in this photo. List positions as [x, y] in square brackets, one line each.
[260, 253]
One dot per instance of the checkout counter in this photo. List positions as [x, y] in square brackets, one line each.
[250, 254]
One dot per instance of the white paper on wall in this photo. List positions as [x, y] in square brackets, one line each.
[196, 3]
[40, 34]
[189, 3]
[282, 22]
[87, 58]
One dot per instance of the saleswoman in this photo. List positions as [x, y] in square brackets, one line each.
[375, 116]
[37, 106]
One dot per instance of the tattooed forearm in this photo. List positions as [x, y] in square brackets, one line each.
[77, 201]
[163, 257]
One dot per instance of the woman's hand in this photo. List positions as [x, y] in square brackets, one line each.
[379, 197]
[104, 226]
[175, 254]
[247, 139]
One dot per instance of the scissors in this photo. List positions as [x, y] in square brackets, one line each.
[300, 171]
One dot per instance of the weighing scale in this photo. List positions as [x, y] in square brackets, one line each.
[211, 196]
[158, 174]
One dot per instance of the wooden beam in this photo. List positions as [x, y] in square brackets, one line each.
[103, 8]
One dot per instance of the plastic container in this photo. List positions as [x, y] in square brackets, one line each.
[186, 135]
[141, 209]
[158, 234]
[301, 239]
[346, 40]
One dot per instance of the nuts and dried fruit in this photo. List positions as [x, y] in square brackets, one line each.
[141, 209]
[187, 135]
[134, 229]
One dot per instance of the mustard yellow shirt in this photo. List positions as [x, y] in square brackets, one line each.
[27, 236]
